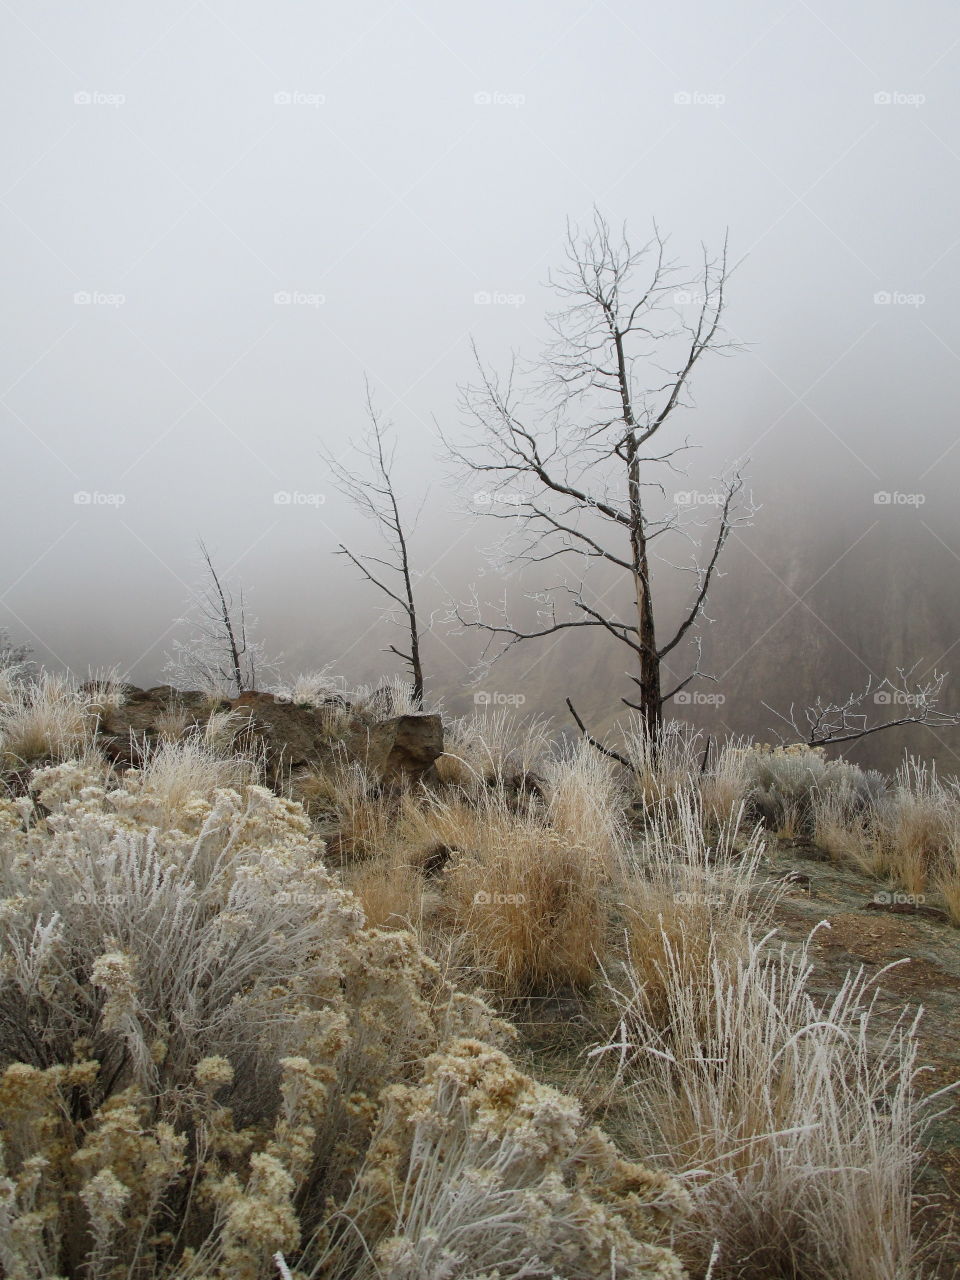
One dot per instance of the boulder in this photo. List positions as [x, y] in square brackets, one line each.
[402, 748]
[292, 736]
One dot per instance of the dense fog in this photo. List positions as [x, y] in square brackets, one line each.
[218, 218]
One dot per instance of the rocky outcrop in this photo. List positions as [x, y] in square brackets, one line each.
[146, 716]
[401, 748]
[293, 738]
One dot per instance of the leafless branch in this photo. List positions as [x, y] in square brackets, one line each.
[910, 700]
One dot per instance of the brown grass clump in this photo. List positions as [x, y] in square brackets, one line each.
[525, 879]
[530, 884]
[917, 832]
[907, 833]
[391, 893]
[347, 802]
[493, 748]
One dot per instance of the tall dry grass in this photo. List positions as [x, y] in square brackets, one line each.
[906, 833]
[794, 1125]
[492, 748]
[697, 891]
[525, 878]
[45, 717]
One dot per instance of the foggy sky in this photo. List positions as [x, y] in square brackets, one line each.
[179, 166]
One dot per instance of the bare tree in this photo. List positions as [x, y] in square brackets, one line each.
[907, 699]
[573, 456]
[219, 655]
[374, 495]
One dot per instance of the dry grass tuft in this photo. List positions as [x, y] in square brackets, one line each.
[44, 718]
[907, 833]
[692, 898]
[795, 1128]
[495, 748]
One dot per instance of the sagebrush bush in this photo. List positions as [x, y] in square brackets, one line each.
[198, 1036]
[783, 784]
[478, 1171]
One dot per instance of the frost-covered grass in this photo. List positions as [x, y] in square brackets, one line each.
[697, 893]
[44, 717]
[794, 1126]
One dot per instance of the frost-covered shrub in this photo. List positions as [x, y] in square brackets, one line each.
[197, 1035]
[478, 1171]
[783, 785]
